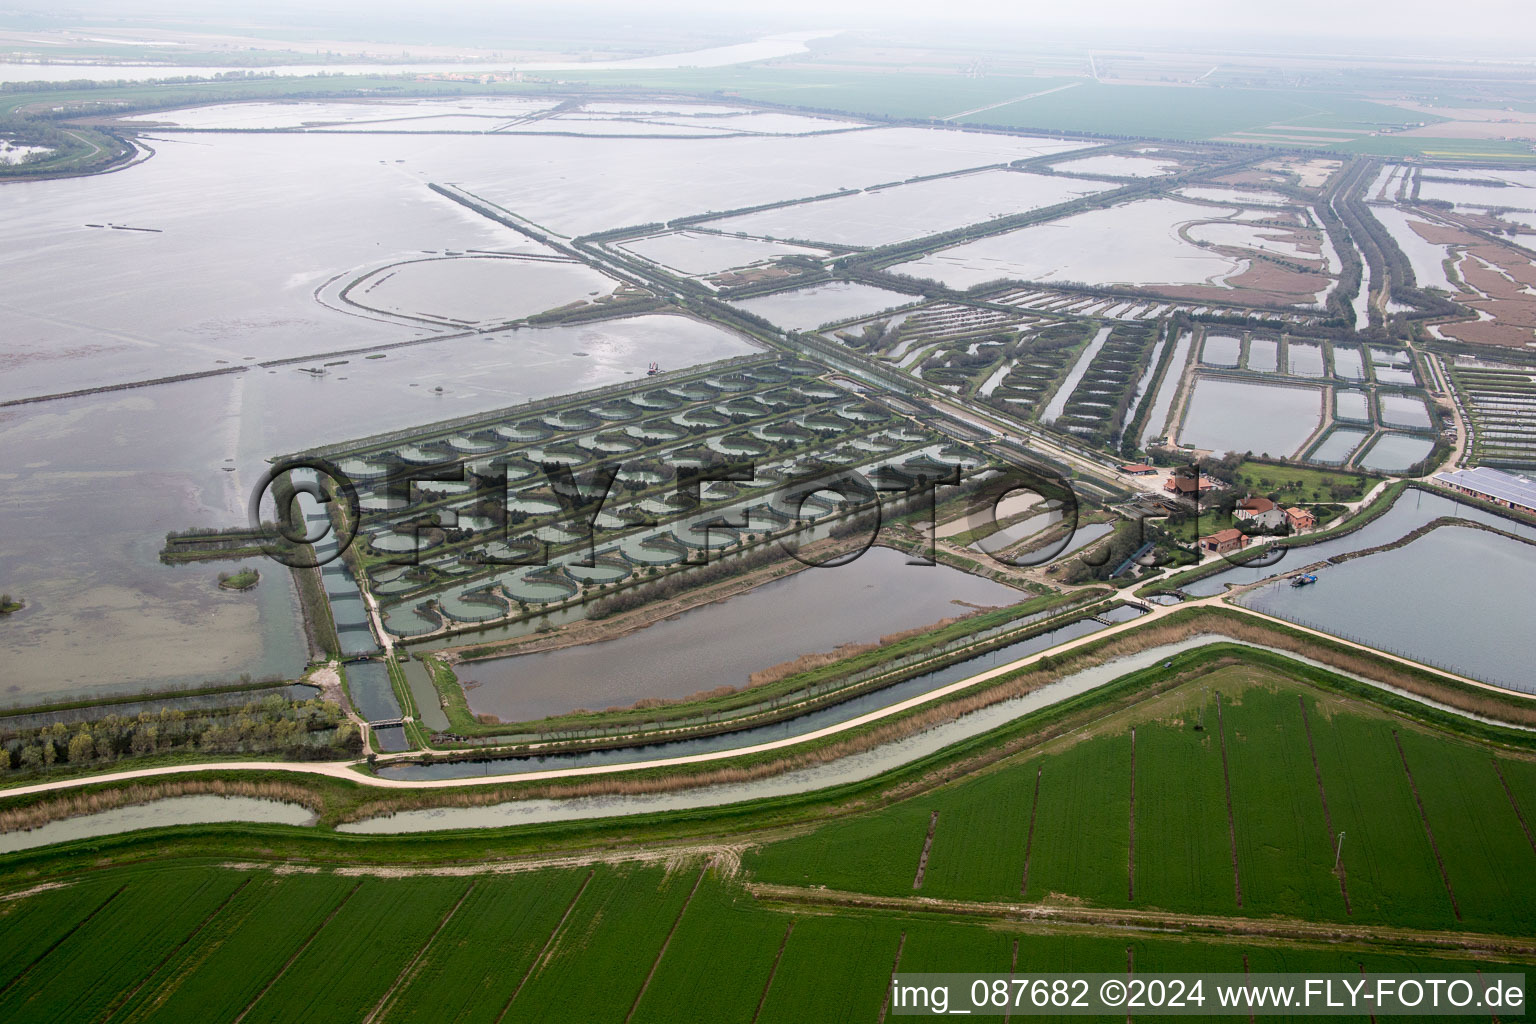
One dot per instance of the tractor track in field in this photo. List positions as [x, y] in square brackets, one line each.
[22, 976]
[1029, 842]
[656, 964]
[408, 972]
[1317, 770]
[127, 997]
[1051, 918]
[549, 944]
[885, 1004]
[1226, 778]
[309, 940]
[1130, 857]
[772, 971]
[1519, 815]
[1429, 832]
[922, 861]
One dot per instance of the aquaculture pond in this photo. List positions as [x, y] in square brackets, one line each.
[1234, 415]
[812, 611]
[1352, 405]
[1394, 453]
[1264, 355]
[899, 212]
[1404, 411]
[1135, 243]
[805, 308]
[1221, 350]
[1338, 445]
[1157, 416]
[1452, 598]
[801, 725]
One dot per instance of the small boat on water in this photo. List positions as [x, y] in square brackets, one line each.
[1303, 580]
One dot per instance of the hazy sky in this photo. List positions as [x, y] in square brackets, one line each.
[1501, 26]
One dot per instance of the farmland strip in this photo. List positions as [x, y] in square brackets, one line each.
[117, 1004]
[1130, 864]
[1246, 972]
[60, 941]
[885, 1004]
[298, 953]
[1429, 832]
[549, 944]
[1029, 843]
[772, 971]
[1226, 777]
[1322, 793]
[1013, 966]
[922, 862]
[1038, 918]
[1130, 972]
[1480, 975]
[410, 968]
[1514, 803]
[666, 942]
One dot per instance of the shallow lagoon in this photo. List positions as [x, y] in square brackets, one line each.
[186, 454]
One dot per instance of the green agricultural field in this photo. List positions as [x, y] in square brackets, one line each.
[1079, 851]
[810, 921]
[1188, 113]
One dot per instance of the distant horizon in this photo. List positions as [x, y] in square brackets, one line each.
[1487, 28]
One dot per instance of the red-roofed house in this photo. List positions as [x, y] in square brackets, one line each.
[1222, 541]
[1187, 485]
[1300, 519]
[1260, 512]
[1250, 506]
[1139, 469]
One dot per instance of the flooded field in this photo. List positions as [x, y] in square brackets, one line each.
[805, 308]
[1382, 599]
[895, 214]
[811, 611]
[1136, 243]
[422, 114]
[697, 253]
[1230, 415]
[553, 180]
